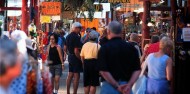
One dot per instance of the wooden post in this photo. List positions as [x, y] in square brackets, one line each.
[37, 16]
[188, 5]
[145, 28]
[173, 8]
[24, 16]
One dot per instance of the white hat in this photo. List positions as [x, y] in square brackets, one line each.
[93, 34]
[19, 37]
[76, 24]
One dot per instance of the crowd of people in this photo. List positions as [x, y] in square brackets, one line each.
[106, 61]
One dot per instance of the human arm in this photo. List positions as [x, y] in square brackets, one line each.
[60, 54]
[133, 79]
[169, 69]
[82, 59]
[65, 52]
[47, 51]
[135, 70]
[82, 55]
[85, 37]
[77, 53]
[109, 78]
[77, 46]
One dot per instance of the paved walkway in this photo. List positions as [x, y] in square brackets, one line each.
[62, 89]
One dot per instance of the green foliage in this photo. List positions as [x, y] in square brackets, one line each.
[79, 6]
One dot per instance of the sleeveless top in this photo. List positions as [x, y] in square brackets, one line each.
[156, 66]
[54, 56]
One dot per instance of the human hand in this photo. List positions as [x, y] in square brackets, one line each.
[121, 87]
[127, 89]
[63, 67]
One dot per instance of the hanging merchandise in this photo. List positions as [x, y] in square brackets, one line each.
[31, 82]
[32, 30]
[47, 86]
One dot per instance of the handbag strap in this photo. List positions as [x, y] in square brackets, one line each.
[143, 69]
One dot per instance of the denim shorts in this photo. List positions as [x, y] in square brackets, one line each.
[55, 70]
[107, 88]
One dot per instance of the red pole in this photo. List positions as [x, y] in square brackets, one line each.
[24, 16]
[37, 16]
[145, 28]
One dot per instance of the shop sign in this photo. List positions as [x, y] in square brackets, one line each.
[51, 8]
[115, 1]
[45, 19]
[55, 18]
[186, 34]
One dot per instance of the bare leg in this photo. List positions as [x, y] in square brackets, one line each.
[57, 78]
[68, 81]
[92, 90]
[76, 82]
[86, 90]
[52, 82]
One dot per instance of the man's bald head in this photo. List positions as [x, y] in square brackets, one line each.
[115, 27]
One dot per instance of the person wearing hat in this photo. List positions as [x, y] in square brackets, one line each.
[10, 65]
[88, 55]
[73, 46]
[85, 38]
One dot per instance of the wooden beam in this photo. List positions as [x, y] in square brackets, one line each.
[161, 8]
[9, 8]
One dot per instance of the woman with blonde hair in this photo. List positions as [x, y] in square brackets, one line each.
[160, 68]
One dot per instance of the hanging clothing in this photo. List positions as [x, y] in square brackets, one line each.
[31, 82]
[47, 86]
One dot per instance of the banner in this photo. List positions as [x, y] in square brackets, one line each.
[51, 8]
[56, 18]
[45, 19]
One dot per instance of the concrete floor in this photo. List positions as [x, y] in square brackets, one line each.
[62, 89]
